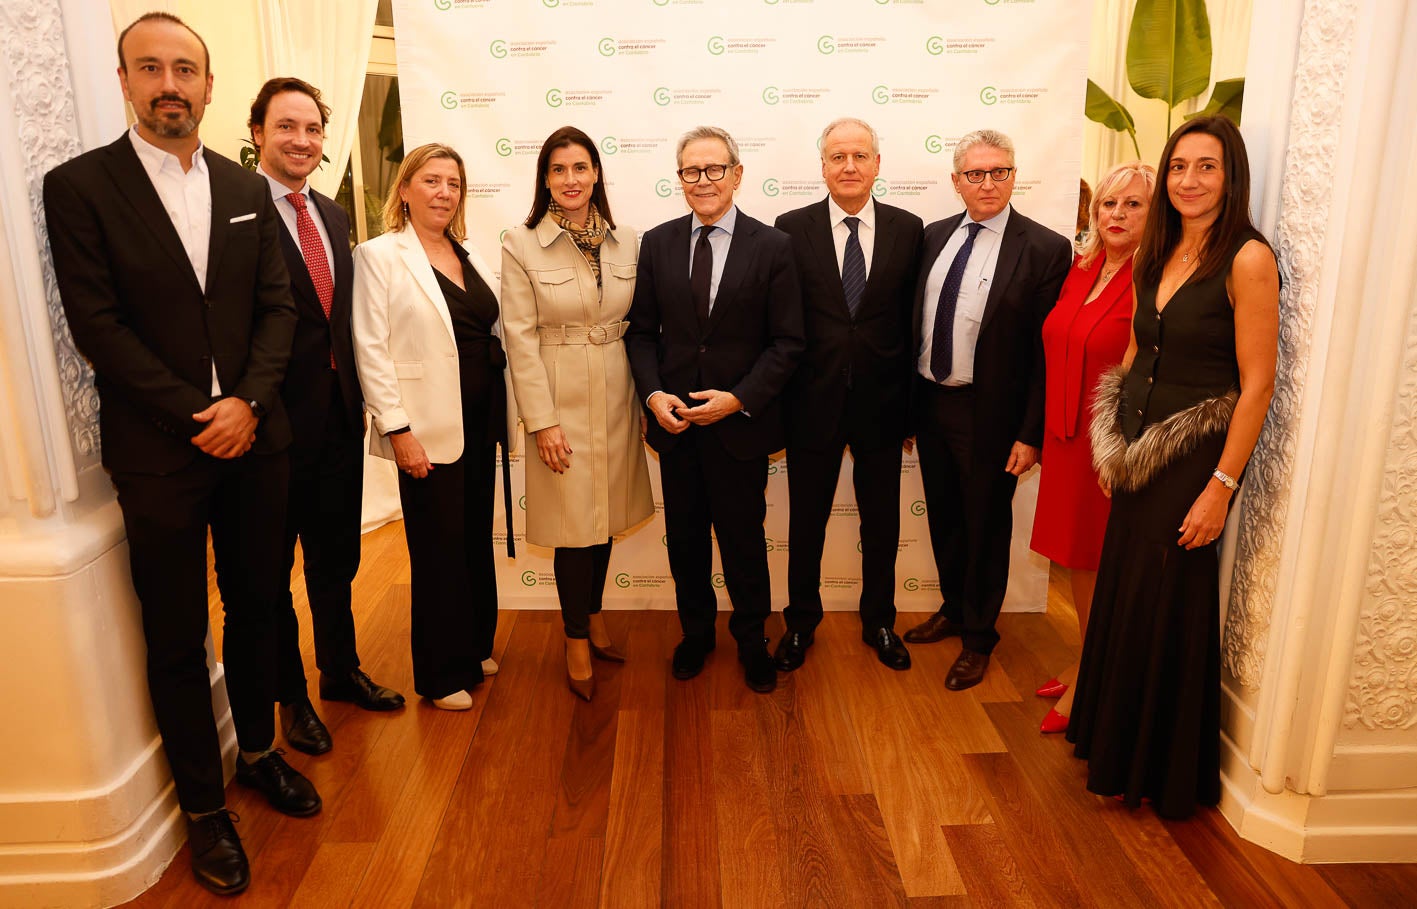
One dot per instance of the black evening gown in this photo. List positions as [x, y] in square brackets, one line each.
[1146, 716]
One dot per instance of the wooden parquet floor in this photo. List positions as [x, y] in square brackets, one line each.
[850, 786]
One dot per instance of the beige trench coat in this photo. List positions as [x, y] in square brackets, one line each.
[569, 368]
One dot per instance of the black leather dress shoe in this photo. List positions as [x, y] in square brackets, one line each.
[889, 649]
[218, 861]
[358, 688]
[758, 669]
[304, 731]
[935, 628]
[281, 784]
[967, 671]
[689, 658]
[791, 651]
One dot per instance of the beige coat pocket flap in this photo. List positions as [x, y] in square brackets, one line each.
[556, 275]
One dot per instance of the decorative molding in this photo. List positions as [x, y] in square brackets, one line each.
[32, 48]
[1316, 122]
[1383, 691]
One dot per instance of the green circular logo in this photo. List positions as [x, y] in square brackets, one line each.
[661, 2]
[917, 507]
[858, 546]
[718, 580]
[881, 94]
[826, 44]
[553, 97]
[501, 238]
[934, 45]
[879, 188]
[934, 144]
[770, 187]
[992, 2]
[503, 147]
[768, 541]
[607, 47]
[664, 189]
[771, 95]
[529, 578]
[498, 48]
[911, 584]
[622, 580]
[989, 95]
[551, 3]
[662, 96]
[715, 45]
[449, 100]
[443, 4]
[609, 146]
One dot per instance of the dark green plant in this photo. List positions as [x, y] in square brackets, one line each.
[1168, 59]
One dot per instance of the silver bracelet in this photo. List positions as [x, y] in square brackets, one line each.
[1225, 479]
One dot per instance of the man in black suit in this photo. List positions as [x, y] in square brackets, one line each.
[857, 259]
[321, 393]
[716, 319]
[988, 278]
[169, 267]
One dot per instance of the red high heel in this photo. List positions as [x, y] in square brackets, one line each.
[1051, 689]
[1053, 722]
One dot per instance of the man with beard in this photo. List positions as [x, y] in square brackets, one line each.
[169, 266]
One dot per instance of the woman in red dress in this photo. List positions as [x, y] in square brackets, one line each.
[1086, 334]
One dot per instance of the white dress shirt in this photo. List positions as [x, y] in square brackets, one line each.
[187, 198]
[865, 231]
[973, 295]
[280, 192]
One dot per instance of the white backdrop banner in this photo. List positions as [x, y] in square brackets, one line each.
[493, 78]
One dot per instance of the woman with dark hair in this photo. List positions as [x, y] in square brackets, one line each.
[1172, 430]
[568, 275]
[1085, 335]
[426, 330]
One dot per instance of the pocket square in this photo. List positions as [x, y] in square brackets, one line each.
[240, 218]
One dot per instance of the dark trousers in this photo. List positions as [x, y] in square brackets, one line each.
[969, 504]
[326, 494]
[580, 585]
[166, 518]
[811, 483]
[448, 522]
[707, 489]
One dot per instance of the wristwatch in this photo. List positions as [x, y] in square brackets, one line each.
[1225, 479]
[257, 410]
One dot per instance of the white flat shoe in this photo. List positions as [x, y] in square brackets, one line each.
[489, 666]
[458, 700]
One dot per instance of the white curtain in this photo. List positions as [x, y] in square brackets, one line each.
[326, 43]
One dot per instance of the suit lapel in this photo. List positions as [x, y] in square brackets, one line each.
[882, 248]
[131, 180]
[416, 261]
[935, 241]
[223, 210]
[819, 235]
[740, 254]
[1010, 250]
[301, 286]
[679, 268]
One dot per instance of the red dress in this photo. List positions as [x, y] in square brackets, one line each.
[1080, 342]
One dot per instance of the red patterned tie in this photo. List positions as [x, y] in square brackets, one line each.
[314, 252]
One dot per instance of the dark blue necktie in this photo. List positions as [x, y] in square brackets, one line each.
[942, 344]
[853, 267]
[701, 275]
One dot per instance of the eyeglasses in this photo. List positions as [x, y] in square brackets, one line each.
[997, 174]
[714, 172]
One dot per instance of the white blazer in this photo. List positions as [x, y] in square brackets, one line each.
[404, 347]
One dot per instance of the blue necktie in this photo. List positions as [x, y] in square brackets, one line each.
[942, 345]
[701, 275]
[853, 267]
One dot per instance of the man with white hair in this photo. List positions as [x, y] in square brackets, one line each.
[988, 278]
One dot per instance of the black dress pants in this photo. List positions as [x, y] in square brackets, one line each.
[166, 518]
[326, 495]
[448, 522]
[811, 482]
[969, 507]
[707, 489]
[580, 585]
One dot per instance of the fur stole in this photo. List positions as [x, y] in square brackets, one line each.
[1129, 467]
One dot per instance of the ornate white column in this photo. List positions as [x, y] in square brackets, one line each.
[1320, 647]
[88, 815]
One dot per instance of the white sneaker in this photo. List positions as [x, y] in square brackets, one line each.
[489, 666]
[458, 700]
